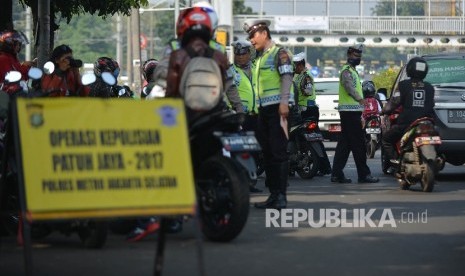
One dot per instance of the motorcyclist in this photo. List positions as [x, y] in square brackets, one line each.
[194, 31]
[100, 88]
[372, 106]
[65, 80]
[416, 97]
[148, 69]
[11, 42]
[305, 93]
[231, 91]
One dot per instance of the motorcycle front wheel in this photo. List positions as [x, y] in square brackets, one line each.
[223, 195]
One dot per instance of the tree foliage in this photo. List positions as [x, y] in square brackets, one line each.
[403, 9]
[240, 8]
[385, 78]
[95, 38]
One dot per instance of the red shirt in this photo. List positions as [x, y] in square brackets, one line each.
[10, 62]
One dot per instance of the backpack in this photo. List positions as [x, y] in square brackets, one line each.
[201, 83]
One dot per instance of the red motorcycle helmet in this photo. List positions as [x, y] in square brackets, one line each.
[194, 22]
[9, 39]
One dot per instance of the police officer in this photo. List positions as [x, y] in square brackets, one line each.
[417, 100]
[272, 80]
[305, 93]
[242, 75]
[352, 137]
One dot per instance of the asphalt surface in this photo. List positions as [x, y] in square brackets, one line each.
[425, 237]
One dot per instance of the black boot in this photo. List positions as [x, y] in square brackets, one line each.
[271, 172]
[268, 203]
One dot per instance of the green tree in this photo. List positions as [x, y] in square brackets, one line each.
[403, 8]
[66, 10]
[240, 8]
[385, 78]
[94, 39]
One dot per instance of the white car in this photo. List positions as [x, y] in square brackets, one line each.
[327, 98]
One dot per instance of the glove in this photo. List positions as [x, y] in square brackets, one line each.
[156, 92]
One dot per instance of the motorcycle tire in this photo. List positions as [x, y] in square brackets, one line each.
[259, 163]
[385, 164]
[427, 178]
[371, 149]
[93, 233]
[223, 195]
[312, 165]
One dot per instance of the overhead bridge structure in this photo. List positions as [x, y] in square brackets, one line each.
[373, 31]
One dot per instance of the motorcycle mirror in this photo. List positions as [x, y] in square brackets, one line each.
[35, 73]
[108, 78]
[88, 78]
[49, 67]
[13, 76]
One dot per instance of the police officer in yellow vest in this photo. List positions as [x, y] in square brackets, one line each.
[304, 89]
[305, 96]
[242, 76]
[272, 80]
[352, 137]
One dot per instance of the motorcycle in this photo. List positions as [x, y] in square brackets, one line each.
[305, 149]
[222, 179]
[418, 159]
[92, 233]
[373, 135]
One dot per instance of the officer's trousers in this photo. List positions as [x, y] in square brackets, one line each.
[351, 139]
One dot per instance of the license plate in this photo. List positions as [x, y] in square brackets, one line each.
[334, 128]
[456, 116]
[435, 140]
[313, 136]
[373, 130]
[240, 143]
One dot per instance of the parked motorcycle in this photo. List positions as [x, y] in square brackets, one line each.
[222, 182]
[419, 161]
[305, 149]
[373, 135]
[92, 233]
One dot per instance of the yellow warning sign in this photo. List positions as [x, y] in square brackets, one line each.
[103, 158]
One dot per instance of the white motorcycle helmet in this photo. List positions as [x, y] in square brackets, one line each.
[211, 12]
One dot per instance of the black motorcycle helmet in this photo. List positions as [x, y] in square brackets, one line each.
[417, 68]
[106, 64]
[368, 89]
[148, 68]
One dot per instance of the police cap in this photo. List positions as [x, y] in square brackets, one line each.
[253, 25]
[241, 47]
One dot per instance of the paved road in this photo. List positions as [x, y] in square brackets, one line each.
[409, 245]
